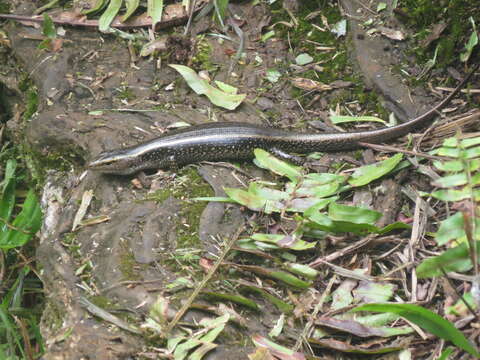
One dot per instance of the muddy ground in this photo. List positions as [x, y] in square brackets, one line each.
[128, 260]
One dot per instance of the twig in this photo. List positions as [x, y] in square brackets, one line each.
[191, 11]
[388, 148]
[313, 317]
[342, 252]
[202, 284]
[99, 312]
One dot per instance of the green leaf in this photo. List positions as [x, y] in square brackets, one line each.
[456, 259]
[381, 6]
[48, 28]
[273, 75]
[267, 161]
[99, 5]
[221, 10]
[303, 59]
[29, 221]
[237, 299]
[229, 89]
[450, 181]
[202, 87]
[352, 214]
[284, 241]
[395, 226]
[131, 6]
[290, 279]
[267, 193]
[280, 304]
[455, 195]
[155, 10]
[245, 198]
[7, 201]
[369, 291]
[317, 185]
[452, 228]
[339, 119]
[427, 320]
[446, 353]
[267, 36]
[278, 350]
[340, 28]
[369, 173]
[472, 42]
[302, 270]
[109, 14]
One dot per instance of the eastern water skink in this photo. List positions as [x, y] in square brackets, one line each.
[236, 141]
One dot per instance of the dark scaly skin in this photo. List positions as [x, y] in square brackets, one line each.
[236, 141]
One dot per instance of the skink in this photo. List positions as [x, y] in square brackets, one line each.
[236, 141]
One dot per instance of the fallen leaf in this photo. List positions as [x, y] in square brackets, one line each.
[310, 85]
[391, 33]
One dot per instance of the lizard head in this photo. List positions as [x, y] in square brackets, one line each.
[118, 162]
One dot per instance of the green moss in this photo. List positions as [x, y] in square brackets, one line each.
[202, 60]
[102, 302]
[189, 184]
[422, 15]
[335, 63]
[125, 93]
[4, 7]
[127, 266]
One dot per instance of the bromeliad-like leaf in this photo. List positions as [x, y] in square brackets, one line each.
[369, 173]
[267, 161]
[253, 202]
[427, 320]
[202, 87]
[109, 14]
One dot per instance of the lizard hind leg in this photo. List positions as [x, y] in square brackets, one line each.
[294, 159]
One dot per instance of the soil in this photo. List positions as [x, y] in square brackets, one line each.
[129, 260]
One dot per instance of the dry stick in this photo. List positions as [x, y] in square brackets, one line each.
[190, 17]
[313, 317]
[346, 250]
[387, 148]
[202, 284]
[26, 338]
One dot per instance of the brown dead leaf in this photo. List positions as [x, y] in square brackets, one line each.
[392, 34]
[261, 353]
[350, 326]
[339, 84]
[349, 348]
[56, 44]
[310, 85]
[205, 264]
[435, 33]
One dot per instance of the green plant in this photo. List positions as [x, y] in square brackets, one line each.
[19, 332]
